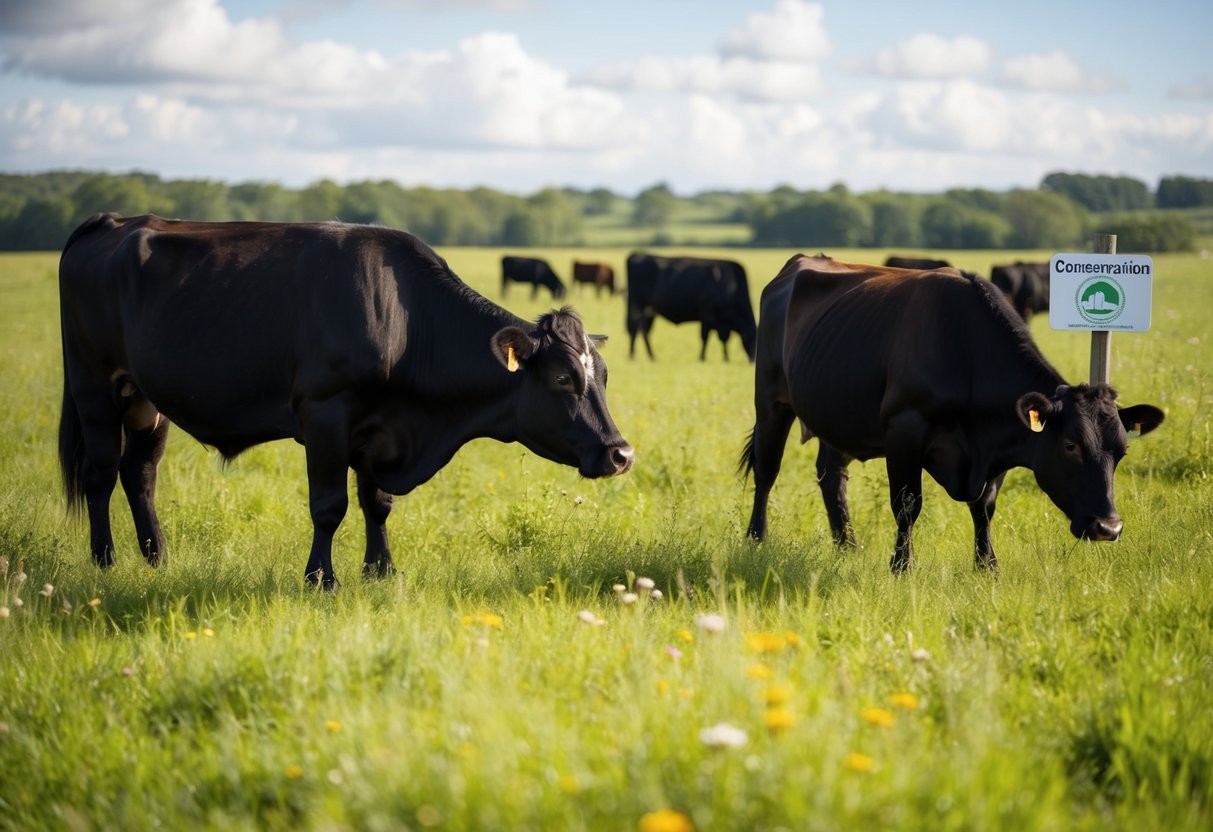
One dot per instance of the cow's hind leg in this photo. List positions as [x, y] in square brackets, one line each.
[903, 461]
[326, 439]
[376, 505]
[146, 435]
[101, 437]
[832, 476]
[764, 456]
[982, 510]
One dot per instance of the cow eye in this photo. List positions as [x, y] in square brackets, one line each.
[563, 380]
[1070, 447]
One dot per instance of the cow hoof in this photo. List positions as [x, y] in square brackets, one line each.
[380, 569]
[901, 565]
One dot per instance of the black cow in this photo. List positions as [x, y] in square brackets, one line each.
[933, 371]
[919, 263]
[356, 341]
[598, 275]
[713, 292]
[1026, 286]
[530, 270]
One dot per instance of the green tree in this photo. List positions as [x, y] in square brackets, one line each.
[654, 207]
[1042, 219]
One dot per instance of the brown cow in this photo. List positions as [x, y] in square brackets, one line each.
[598, 275]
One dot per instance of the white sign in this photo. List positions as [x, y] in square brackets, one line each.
[1105, 292]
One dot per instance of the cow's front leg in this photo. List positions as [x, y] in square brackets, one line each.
[903, 461]
[326, 437]
[982, 510]
[376, 505]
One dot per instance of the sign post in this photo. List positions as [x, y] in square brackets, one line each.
[1101, 292]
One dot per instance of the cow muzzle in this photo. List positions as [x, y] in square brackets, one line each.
[1100, 529]
[615, 461]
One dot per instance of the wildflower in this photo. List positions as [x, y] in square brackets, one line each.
[723, 735]
[619, 589]
[920, 655]
[484, 619]
[759, 671]
[588, 617]
[96, 602]
[17, 602]
[686, 635]
[569, 784]
[332, 726]
[877, 716]
[779, 719]
[663, 687]
[656, 595]
[126, 671]
[665, 820]
[628, 597]
[673, 652]
[711, 623]
[776, 695]
[793, 639]
[766, 642]
[4, 612]
[578, 500]
[907, 701]
[208, 632]
[294, 772]
[48, 590]
[644, 584]
[191, 635]
[859, 762]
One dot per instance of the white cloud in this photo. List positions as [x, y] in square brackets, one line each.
[792, 32]
[711, 75]
[1054, 71]
[1200, 89]
[928, 56]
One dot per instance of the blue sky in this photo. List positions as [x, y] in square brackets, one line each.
[523, 94]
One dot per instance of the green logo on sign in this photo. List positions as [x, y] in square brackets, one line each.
[1100, 299]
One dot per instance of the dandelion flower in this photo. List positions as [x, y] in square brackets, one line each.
[96, 602]
[294, 772]
[711, 623]
[208, 632]
[779, 719]
[569, 784]
[48, 590]
[665, 820]
[723, 735]
[759, 671]
[859, 762]
[191, 635]
[588, 617]
[663, 687]
[776, 695]
[766, 642]
[877, 716]
[644, 584]
[484, 619]
[908, 701]
[332, 726]
[686, 635]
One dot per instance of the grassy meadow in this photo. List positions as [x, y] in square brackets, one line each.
[500, 682]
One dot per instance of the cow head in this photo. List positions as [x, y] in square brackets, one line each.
[561, 407]
[1079, 437]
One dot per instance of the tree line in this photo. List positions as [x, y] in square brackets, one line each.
[38, 211]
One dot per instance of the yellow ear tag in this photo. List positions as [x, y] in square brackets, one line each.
[511, 360]
[1034, 421]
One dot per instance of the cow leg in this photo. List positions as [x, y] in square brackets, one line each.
[705, 335]
[376, 505]
[982, 510]
[645, 326]
[832, 476]
[326, 438]
[144, 449]
[724, 342]
[767, 442]
[903, 461]
[100, 425]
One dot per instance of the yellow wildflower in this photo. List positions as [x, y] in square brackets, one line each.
[776, 695]
[96, 602]
[332, 726]
[485, 619]
[779, 719]
[191, 635]
[686, 635]
[665, 820]
[294, 772]
[859, 762]
[877, 716]
[766, 642]
[759, 671]
[663, 687]
[208, 632]
[904, 700]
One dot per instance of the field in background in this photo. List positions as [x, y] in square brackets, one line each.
[1072, 691]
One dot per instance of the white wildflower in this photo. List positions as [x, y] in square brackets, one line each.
[48, 590]
[644, 584]
[656, 595]
[588, 617]
[711, 623]
[628, 597]
[723, 735]
[920, 655]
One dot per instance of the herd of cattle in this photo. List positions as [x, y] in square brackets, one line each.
[361, 344]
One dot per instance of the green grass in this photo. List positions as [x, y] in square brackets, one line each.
[1071, 691]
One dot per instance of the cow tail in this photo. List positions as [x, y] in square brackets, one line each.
[745, 465]
[71, 450]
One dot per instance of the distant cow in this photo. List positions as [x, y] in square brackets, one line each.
[530, 270]
[1026, 286]
[713, 292]
[933, 371]
[915, 263]
[356, 341]
[598, 275]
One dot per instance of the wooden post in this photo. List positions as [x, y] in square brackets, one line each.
[1101, 341]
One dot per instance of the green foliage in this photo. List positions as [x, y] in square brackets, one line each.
[1072, 691]
[1102, 193]
[1154, 232]
[654, 206]
[1040, 219]
[1185, 192]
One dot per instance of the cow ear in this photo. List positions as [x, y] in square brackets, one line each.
[597, 340]
[513, 346]
[1034, 409]
[1140, 419]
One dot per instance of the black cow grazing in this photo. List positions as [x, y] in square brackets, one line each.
[356, 341]
[933, 371]
[713, 292]
[530, 270]
[598, 275]
[896, 262]
[1026, 286]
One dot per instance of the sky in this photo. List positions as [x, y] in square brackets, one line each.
[519, 95]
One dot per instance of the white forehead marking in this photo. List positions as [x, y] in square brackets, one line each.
[587, 358]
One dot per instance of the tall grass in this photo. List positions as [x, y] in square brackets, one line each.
[1070, 691]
